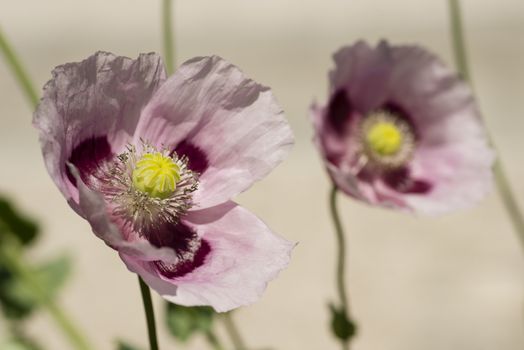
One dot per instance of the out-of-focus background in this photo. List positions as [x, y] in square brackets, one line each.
[455, 282]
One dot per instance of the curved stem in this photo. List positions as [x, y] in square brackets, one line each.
[233, 332]
[13, 259]
[501, 179]
[341, 244]
[167, 27]
[18, 70]
[150, 314]
[341, 261]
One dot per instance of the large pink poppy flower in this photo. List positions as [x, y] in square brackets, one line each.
[401, 130]
[153, 162]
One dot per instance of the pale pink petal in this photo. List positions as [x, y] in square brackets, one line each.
[363, 72]
[93, 208]
[229, 126]
[461, 176]
[245, 255]
[346, 180]
[452, 152]
[441, 105]
[100, 97]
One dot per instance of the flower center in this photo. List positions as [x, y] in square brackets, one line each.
[148, 187]
[387, 140]
[156, 175]
[384, 138]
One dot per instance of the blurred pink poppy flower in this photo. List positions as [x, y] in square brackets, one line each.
[153, 162]
[401, 130]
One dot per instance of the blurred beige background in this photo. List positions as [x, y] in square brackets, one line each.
[455, 282]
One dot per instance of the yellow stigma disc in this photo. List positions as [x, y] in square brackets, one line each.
[384, 138]
[156, 175]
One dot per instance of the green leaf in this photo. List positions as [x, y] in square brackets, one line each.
[123, 345]
[183, 322]
[16, 223]
[12, 305]
[17, 299]
[341, 325]
[13, 345]
[53, 274]
[19, 336]
[18, 344]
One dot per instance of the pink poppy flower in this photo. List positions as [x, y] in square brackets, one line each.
[401, 130]
[153, 162]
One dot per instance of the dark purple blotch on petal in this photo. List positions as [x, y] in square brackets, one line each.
[400, 112]
[180, 238]
[88, 156]
[339, 111]
[400, 180]
[184, 267]
[197, 159]
[177, 237]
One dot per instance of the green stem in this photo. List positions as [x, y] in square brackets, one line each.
[459, 44]
[213, 340]
[233, 332]
[11, 253]
[18, 70]
[167, 27]
[501, 179]
[510, 202]
[341, 244]
[150, 314]
[341, 262]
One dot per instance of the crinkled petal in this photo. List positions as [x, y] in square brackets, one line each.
[452, 153]
[100, 97]
[228, 124]
[94, 209]
[440, 105]
[461, 174]
[348, 182]
[245, 255]
[363, 72]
